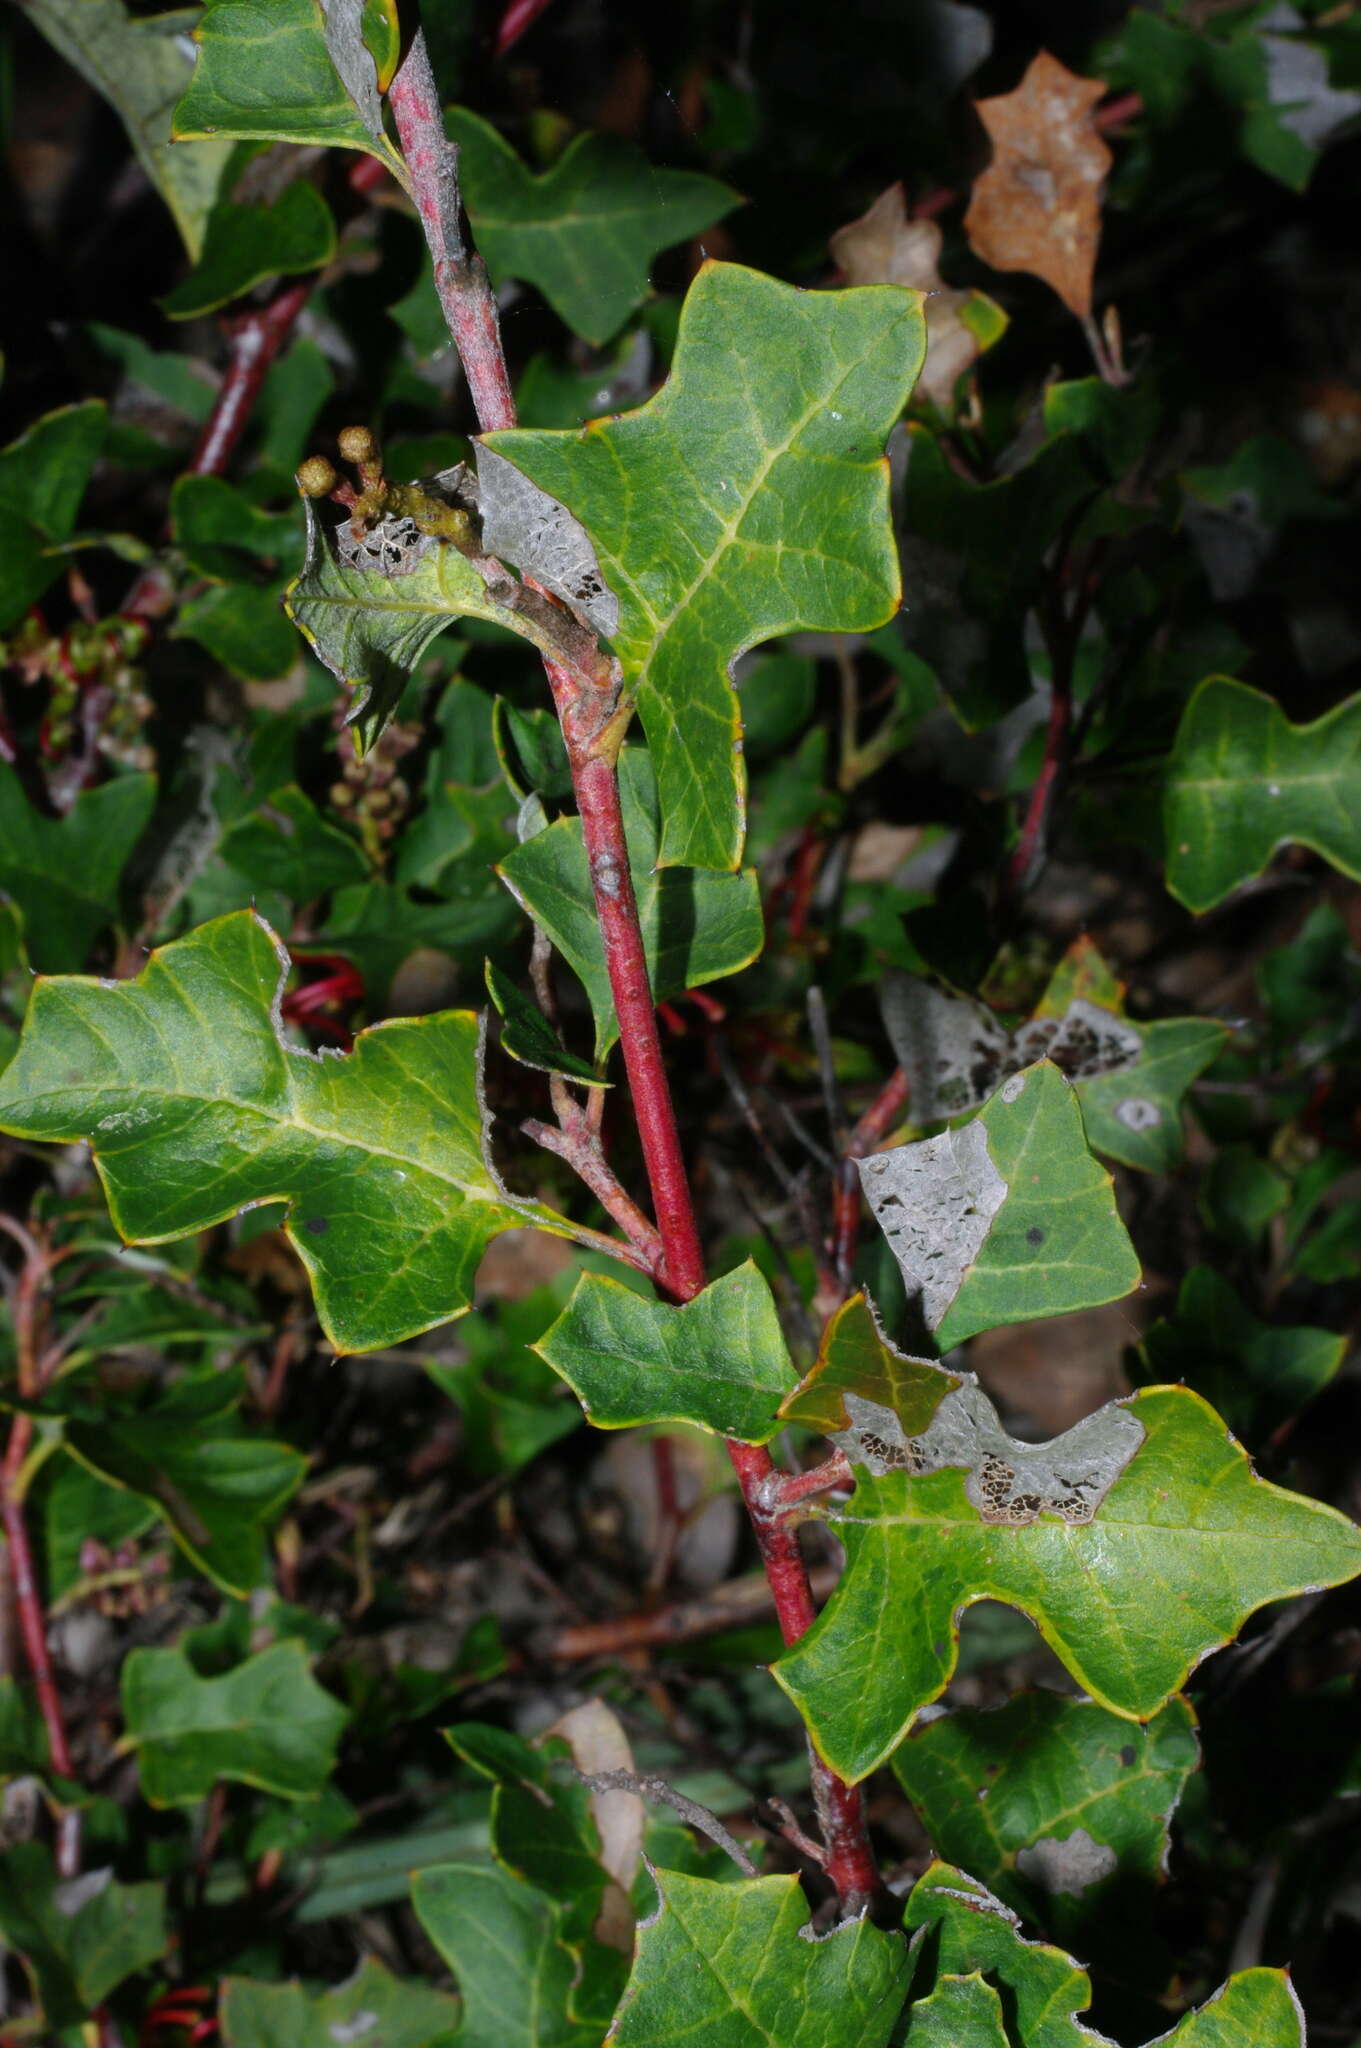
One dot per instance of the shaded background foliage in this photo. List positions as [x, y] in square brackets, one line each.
[428, 1534]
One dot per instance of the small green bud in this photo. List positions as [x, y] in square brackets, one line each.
[357, 444]
[316, 478]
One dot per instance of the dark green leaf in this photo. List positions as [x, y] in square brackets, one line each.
[373, 2008]
[719, 1362]
[267, 1723]
[23, 1733]
[715, 540]
[696, 926]
[43, 476]
[526, 1033]
[502, 1939]
[242, 627]
[288, 845]
[78, 1940]
[222, 533]
[197, 1108]
[246, 244]
[585, 231]
[1258, 1376]
[64, 873]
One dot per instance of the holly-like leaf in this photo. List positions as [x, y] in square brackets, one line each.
[696, 926]
[1243, 781]
[1046, 1992]
[585, 232]
[1051, 1800]
[855, 1358]
[1258, 1375]
[43, 476]
[1006, 1218]
[720, 1361]
[885, 247]
[961, 2012]
[527, 1035]
[264, 71]
[748, 498]
[217, 1489]
[196, 1108]
[373, 2006]
[288, 845]
[730, 1964]
[64, 873]
[1037, 207]
[140, 65]
[246, 244]
[1132, 1577]
[503, 1941]
[267, 1723]
[78, 1940]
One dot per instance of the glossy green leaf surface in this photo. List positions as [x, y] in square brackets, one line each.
[263, 71]
[372, 2006]
[526, 1033]
[245, 245]
[1050, 1799]
[719, 1361]
[1257, 1374]
[961, 2012]
[217, 1490]
[1255, 2009]
[1008, 1217]
[748, 498]
[728, 1964]
[64, 873]
[77, 1943]
[267, 1723]
[141, 66]
[1243, 781]
[287, 844]
[197, 1108]
[1185, 1545]
[854, 1357]
[586, 230]
[697, 926]
[502, 1940]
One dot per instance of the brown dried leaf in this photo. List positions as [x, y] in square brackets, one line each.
[885, 247]
[1037, 207]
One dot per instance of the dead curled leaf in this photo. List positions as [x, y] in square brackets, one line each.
[1037, 207]
[885, 247]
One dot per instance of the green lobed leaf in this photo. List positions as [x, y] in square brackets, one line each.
[527, 1035]
[586, 230]
[502, 1939]
[243, 627]
[222, 534]
[854, 1357]
[373, 2006]
[729, 1964]
[216, 1489]
[245, 245]
[43, 475]
[264, 71]
[77, 1941]
[748, 498]
[1255, 2009]
[1008, 1217]
[140, 66]
[961, 2012]
[1051, 1801]
[287, 844]
[720, 1361]
[1243, 781]
[196, 1108]
[696, 926]
[64, 873]
[1257, 1375]
[1185, 1545]
[267, 1723]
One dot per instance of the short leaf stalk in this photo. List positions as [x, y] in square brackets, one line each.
[592, 726]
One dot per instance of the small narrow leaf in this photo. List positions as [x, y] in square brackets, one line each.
[373, 2010]
[719, 1361]
[1243, 781]
[267, 1723]
[586, 230]
[1185, 1545]
[716, 539]
[197, 1108]
[1007, 1218]
[696, 926]
[527, 1035]
[732, 1965]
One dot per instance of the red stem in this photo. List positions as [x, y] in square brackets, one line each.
[590, 731]
[256, 338]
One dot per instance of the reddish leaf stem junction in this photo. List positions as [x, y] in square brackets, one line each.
[593, 730]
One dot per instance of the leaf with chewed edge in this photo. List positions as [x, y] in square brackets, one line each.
[196, 1107]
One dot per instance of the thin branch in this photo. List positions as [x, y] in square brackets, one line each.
[728, 1606]
[666, 1795]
